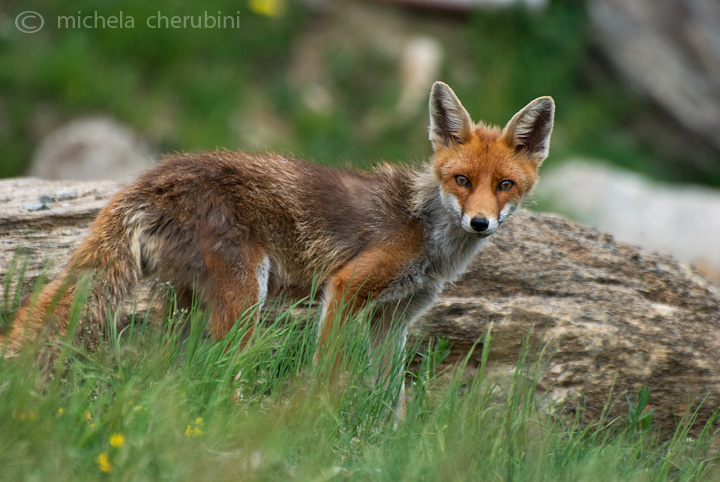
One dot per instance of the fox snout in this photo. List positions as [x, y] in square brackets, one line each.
[479, 225]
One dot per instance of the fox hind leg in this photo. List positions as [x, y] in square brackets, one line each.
[237, 281]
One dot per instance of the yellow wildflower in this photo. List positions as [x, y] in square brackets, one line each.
[89, 419]
[268, 8]
[103, 462]
[195, 429]
[117, 439]
[60, 411]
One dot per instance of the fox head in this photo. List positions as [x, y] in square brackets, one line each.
[484, 172]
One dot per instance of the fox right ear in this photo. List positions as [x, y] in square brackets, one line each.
[529, 130]
[449, 121]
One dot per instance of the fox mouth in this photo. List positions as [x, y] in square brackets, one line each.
[479, 235]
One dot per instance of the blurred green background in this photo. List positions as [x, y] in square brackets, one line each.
[320, 80]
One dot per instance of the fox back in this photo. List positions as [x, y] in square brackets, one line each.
[235, 229]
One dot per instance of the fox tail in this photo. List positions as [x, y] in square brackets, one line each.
[102, 272]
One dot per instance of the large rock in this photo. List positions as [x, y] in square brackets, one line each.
[614, 315]
[89, 149]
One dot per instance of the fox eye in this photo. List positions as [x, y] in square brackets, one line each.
[505, 185]
[462, 180]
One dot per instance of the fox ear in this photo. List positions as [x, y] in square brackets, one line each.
[529, 130]
[449, 121]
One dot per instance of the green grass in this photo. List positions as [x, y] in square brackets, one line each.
[147, 405]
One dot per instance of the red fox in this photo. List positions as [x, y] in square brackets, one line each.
[237, 228]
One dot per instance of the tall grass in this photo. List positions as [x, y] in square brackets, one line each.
[150, 404]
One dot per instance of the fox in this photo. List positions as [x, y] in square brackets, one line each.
[236, 229]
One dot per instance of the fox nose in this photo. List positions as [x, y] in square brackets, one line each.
[479, 224]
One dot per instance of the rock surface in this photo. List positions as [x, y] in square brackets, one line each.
[680, 220]
[615, 316]
[42, 221]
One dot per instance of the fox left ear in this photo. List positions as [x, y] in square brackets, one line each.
[529, 130]
[449, 121]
